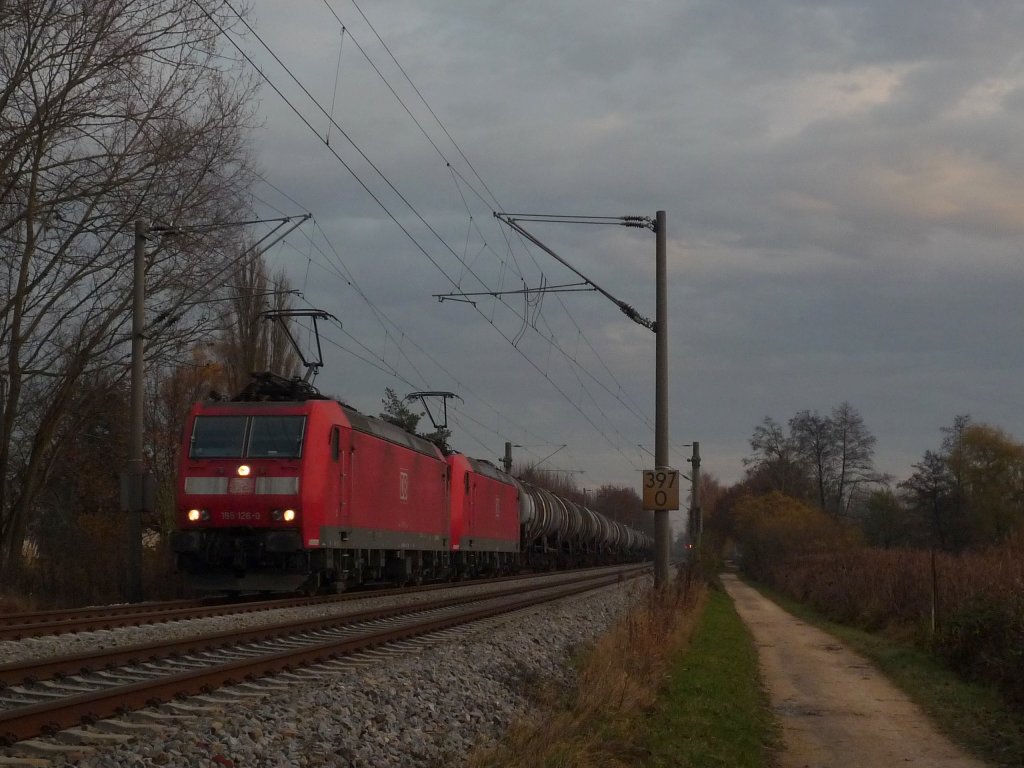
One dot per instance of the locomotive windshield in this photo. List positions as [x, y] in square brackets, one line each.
[236, 437]
[218, 437]
[276, 437]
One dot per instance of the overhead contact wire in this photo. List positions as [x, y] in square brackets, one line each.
[380, 202]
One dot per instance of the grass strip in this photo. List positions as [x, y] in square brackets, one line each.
[714, 710]
[599, 721]
[973, 715]
[674, 683]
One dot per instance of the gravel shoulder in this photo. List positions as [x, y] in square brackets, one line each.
[836, 710]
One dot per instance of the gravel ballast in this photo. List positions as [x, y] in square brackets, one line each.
[425, 706]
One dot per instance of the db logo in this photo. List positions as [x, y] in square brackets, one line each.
[403, 485]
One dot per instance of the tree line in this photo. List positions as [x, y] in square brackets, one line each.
[965, 494]
[825, 458]
[968, 493]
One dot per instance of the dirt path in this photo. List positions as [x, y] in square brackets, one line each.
[836, 710]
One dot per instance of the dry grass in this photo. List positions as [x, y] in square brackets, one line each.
[10, 603]
[83, 562]
[618, 681]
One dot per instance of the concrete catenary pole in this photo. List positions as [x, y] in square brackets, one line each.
[695, 512]
[507, 461]
[136, 458]
[661, 522]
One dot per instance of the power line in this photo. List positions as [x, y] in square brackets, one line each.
[380, 202]
[351, 142]
[386, 321]
[431, 111]
[512, 220]
[628, 220]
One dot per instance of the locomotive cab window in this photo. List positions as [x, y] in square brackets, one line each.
[257, 437]
[218, 437]
[335, 443]
[276, 437]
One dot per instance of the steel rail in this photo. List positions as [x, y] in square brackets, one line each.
[48, 718]
[28, 618]
[93, 619]
[17, 626]
[34, 670]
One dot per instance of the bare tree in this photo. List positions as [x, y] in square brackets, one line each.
[110, 110]
[854, 456]
[251, 343]
[839, 451]
[775, 459]
[813, 437]
[953, 451]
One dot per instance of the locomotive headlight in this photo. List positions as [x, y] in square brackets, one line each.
[275, 515]
[244, 470]
[193, 515]
[289, 515]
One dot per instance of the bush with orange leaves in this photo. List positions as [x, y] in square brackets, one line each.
[774, 529]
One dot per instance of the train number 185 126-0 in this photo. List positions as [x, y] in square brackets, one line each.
[242, 515]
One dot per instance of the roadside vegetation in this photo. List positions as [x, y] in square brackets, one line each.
[923, 576]
[673, 683]
[713, 710]
[978, 607]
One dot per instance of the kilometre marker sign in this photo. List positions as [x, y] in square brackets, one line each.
[661, 489]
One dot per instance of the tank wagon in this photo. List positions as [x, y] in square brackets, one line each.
[307, 493]
[559, 533]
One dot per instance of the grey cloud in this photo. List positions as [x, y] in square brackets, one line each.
[842, 180]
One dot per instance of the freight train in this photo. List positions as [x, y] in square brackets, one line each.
[283, 489]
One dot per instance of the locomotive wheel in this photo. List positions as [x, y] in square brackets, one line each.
[313, 585]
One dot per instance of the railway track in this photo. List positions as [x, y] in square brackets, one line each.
[18, 626]
[40, 624]
[42, 697]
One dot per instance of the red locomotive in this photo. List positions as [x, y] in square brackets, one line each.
[307, 493]
[484, 508]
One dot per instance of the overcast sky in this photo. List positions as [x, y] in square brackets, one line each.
[843, 183]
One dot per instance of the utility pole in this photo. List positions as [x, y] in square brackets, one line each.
[696, 514]
[137, 490]
[661, 522]
[662, 472]
[507, 461]
[133, 489]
